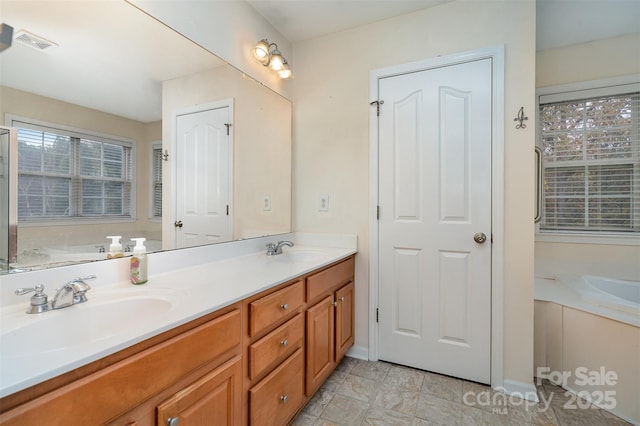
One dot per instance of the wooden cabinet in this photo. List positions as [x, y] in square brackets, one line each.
[330, 321]
[275, 377]
[344, 320]
[320, 343]
[215, 399]
[254, 362]
[277, 397]
[110, 392]
[270, 309]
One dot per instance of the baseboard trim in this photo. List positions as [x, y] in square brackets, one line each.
[519, 389]
[358, 352]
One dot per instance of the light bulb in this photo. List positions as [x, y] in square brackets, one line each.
[285, 72]
[261, 52]
[276, 60]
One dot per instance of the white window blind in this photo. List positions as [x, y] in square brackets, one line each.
[67, 174]
[156, 196]
[591, 162]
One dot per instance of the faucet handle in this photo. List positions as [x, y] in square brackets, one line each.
[39, 301]
[271, 248]
[39, 289]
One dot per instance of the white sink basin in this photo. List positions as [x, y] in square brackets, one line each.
[300, 255]
[81, 324]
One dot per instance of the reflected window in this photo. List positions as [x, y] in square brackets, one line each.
[64, 173]
[156, 175]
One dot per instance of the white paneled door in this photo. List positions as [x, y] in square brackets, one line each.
[203, 178]
[435, 219]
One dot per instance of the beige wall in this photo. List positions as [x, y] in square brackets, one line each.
[36, 107]
[229, 29]
[583, 62]
[261, 148]
[331, 138]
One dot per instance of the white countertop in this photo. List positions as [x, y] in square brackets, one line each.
[95, 329]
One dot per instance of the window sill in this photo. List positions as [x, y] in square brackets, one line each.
[75, 221]
[588, 238]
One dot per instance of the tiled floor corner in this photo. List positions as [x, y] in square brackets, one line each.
[383, 394]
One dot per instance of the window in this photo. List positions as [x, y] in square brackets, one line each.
[591, 161]
[64, 173]
[156, 175]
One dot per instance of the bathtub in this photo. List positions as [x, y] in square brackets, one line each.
[587, 340]
[615, 299]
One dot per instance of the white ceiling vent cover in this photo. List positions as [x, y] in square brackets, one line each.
[35, 41]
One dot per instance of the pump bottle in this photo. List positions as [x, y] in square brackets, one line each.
[115, 249]
[139, 262]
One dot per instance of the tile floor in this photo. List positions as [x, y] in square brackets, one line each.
[379, 393]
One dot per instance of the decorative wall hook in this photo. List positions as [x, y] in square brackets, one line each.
[521, 119]
[165, 156]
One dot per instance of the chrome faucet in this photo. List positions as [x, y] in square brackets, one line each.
[71, 293]
[273, 248]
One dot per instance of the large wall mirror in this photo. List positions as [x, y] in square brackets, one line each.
[128, 128]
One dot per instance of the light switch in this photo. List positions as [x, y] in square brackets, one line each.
[266, 203]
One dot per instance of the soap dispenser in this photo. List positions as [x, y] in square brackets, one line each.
[115, 249]
[139, 262]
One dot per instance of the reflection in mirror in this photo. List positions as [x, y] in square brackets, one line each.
[8, 143]
[108, 93]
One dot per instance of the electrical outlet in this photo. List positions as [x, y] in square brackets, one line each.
[323, 205]
[266, 203]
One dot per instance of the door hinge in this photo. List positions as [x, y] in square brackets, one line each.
[377, 315]
[377, 104]
[228, 125]
[227, 209]
[378, 212]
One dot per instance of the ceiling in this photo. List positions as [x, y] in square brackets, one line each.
[589, 20]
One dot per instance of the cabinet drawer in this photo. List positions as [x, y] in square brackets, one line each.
[267, 310]
[99, 397]
[323, 282]
[278, 396]
[276, 346]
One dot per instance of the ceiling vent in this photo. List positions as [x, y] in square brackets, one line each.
[35, 41]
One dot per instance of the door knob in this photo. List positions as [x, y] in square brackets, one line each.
[177, 224]
[479, 238]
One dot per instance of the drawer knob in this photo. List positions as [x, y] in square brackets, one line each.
[284, 306]
[284, 399]
[284, 342]
[173, 421]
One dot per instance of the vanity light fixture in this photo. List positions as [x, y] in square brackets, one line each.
[269, 56]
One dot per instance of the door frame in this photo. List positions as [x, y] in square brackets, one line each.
[496, 53]
[172, 179]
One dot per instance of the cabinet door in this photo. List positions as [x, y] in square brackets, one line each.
[344, 320]
[320, 343]
[215, 399]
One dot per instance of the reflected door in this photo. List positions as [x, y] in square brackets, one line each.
[435, 196]
[203, 178]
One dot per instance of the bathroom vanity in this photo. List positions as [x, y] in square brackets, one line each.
[254, 360]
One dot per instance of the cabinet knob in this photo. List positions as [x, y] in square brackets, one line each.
[335, 304]
[173, 421]
[284, 342]
[284, 399]
[342, 298]
[284, 306]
